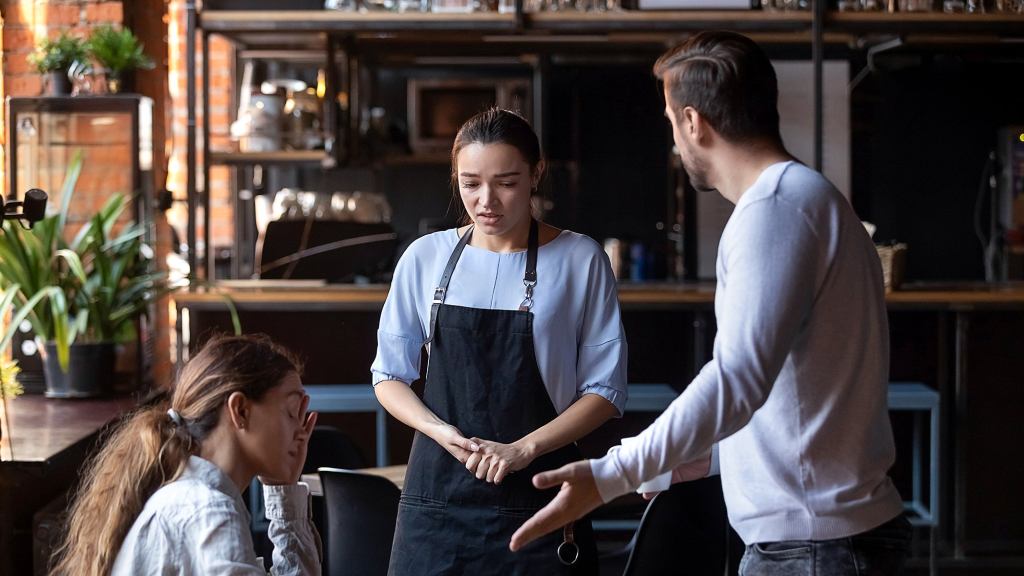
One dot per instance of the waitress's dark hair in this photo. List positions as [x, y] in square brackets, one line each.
[497, 126]
[729, 80]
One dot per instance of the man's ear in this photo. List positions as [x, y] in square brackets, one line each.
[239, 410]
[693, 124]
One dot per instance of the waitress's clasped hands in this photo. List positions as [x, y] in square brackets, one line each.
[487, 460]
[495, 460]
[451, 439]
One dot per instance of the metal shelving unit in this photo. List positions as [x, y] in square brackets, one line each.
[331, 32]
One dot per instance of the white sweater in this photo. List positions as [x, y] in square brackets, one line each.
[795, 395]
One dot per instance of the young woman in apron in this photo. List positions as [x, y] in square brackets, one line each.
[526, 356]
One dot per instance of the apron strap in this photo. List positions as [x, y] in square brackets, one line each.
[442, 288]
[529, 277]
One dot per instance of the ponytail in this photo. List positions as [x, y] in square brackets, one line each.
[147, 451]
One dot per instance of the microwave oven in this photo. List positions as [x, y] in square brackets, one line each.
[437, 107]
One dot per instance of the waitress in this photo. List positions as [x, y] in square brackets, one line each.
[526, 356]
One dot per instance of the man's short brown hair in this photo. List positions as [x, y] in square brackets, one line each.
[729, 80]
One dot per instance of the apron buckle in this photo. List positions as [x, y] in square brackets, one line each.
[439, 294]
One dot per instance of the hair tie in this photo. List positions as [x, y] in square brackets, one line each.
[175, 417]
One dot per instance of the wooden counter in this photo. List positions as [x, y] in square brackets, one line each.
[40, 460]
[961, 340]
[43, 428]
[658, 295]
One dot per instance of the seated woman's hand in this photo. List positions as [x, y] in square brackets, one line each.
[293, 462]
[495, 460]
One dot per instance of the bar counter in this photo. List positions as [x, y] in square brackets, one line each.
[960, 339]
[278, 296]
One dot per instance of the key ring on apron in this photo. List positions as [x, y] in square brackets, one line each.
[568, 552]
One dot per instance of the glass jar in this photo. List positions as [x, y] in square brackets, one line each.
[452, 6]
[915, 5]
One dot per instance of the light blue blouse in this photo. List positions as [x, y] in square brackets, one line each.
[578, 335]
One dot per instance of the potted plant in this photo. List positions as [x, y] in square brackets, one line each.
[118, 51]
[97, 285]
[54, 57]
[9, 387]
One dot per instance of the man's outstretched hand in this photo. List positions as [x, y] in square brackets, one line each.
[577, 497]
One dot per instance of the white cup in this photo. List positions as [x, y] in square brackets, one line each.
[659, 483]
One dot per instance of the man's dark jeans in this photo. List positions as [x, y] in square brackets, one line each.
[877, 552]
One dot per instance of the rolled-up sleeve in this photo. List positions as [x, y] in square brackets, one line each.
[398, 358]
[297, 548]
[400, 335]
[601, 357]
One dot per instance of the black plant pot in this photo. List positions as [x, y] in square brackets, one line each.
[123, 83]
[90, 371]
[58, 84]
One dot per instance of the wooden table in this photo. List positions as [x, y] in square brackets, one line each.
[396, 474]
[40, 459]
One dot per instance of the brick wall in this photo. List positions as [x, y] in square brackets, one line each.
[24, 24]
[221, 87]
[161, 26]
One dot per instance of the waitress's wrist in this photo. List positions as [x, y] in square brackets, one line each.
[433, 429]
[528, 448]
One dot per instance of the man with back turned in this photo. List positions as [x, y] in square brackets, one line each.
[791, 410]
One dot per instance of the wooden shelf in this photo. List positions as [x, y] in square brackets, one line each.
[674, 20]
[926, 22]
[276, 157]
[324, 21]
[309, 28]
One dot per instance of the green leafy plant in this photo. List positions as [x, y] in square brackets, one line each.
[96, 285]
[117, 50]
[58, 54]
[9, 386]
[36, 260]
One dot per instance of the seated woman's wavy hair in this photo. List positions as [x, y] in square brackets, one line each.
[147, 450]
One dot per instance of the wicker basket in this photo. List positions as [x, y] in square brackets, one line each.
[893, 257]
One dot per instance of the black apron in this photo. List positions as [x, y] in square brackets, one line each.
[482, 378]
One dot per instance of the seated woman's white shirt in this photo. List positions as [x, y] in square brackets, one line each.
[198, 525]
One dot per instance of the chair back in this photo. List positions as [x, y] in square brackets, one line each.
[683, 531]
[360, 511]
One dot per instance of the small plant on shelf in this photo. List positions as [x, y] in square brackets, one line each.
[54, 57]
[118, 51]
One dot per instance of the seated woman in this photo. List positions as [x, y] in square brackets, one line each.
[164, 496]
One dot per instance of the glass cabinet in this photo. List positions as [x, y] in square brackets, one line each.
[113, 134]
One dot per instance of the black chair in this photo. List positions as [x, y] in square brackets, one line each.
[361, 511]
[329, 447]
[685, 531]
